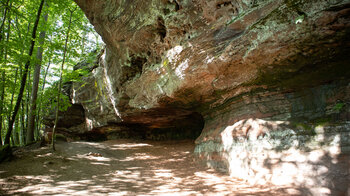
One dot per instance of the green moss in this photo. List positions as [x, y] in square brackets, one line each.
[338, 107]
[166, 62]
[326, 121]
[278, 15]
[303, 126]
[306, 132]
[235, 18]
[322, 121]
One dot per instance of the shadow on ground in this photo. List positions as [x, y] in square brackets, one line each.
[119, 167]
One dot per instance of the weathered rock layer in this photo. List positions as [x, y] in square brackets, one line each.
[267, 80]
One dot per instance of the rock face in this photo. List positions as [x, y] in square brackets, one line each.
[261, 81]
[72, 117]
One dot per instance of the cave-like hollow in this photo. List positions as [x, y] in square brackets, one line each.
[159, 124]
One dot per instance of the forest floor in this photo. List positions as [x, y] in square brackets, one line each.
[119, 167]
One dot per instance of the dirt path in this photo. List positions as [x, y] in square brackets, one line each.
[118, 167]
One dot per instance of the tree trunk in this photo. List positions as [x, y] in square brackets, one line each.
[12, 96]
[42, 91]
[14, 137]
[17, 131]
[4, 18]
[24, 76]
[23, 139]
[60, 83]
[5, 57]
[2, 96]
[34, 94]
[3, 79]
[27, 97]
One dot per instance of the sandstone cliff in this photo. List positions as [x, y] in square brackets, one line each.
[264, 83]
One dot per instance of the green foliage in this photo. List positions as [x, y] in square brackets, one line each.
[15, 38]
[49, 101]
[74, 76]
[299, 19]
[337, 107]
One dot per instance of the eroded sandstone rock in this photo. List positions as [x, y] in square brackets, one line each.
[72, 117]
[189, 55]
[249, 69]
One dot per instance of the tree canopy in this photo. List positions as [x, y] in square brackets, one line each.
[51, 49]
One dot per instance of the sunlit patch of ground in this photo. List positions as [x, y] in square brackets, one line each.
[120, 167]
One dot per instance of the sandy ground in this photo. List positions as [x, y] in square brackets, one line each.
[119, 167]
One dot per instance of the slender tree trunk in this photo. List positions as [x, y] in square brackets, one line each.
[2, 96]
[5, 58]
[38, 125]
[60, 83]
[11, 141]
[5, 55]
[13, 95]
[3, 79]
[27, 97]
[11, 103]
[14, 137]
[46, 72]
[24, 76]
[7, 7]
[27, 93]
[23, 108]
[22, 124]
[34, 94]
[41, 94]
[17, 131]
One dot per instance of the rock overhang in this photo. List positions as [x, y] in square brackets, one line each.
[191, 56]
[261, 78]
